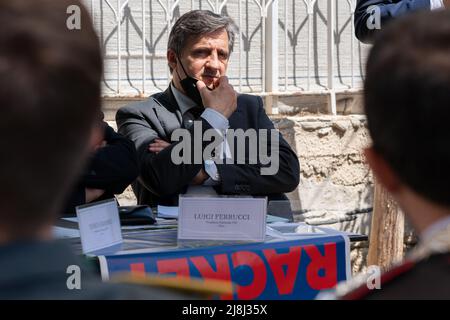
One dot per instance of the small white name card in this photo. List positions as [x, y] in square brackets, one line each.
[222, 218]
[99, 225]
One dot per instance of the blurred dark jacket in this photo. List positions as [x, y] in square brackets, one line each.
[389, 9]
[111, 168]
[39, 270]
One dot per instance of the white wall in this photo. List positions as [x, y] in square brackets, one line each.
[246, 61]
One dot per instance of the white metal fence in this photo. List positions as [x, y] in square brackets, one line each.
[283, 46]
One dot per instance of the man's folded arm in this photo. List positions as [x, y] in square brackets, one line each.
[388, 10]
[247, 178]
[158, 172]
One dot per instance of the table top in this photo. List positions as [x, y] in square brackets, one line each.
[163, 235]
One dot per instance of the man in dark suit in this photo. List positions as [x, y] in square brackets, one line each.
[50, 101]
[200, 97]
[407, 98]
[372, 15]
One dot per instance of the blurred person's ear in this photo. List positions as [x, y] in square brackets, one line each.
[383, 172]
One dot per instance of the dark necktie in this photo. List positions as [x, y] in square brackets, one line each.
[191, 115]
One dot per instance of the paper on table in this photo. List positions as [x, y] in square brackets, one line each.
[69, 230]
[61, 232]
[273, 219]
[167, 212]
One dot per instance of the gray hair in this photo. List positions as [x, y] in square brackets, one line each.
[196, 23]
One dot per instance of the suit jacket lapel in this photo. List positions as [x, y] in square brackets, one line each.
[170, 118]
[167, 100]
[236, 118]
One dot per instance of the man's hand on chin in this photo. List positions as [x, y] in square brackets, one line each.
[223, 98]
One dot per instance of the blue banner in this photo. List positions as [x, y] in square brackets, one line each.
[294, 269]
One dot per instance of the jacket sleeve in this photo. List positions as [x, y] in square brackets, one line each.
[247, 179]
[389, 10]
[114, 166]
[75, 198]
[158, 173]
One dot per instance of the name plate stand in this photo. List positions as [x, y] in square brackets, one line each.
[222, 218]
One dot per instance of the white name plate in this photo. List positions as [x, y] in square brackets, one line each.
[99, 225]
[222, 218]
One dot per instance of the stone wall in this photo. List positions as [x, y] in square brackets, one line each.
[336, 188]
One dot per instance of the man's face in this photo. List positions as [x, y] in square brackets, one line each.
[204, 58]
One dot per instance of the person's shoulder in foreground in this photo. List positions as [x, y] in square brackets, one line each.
[407, 94]
[41, 270]
[421, 280]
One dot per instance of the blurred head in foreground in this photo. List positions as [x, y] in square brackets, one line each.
[49, 101]
[407, 101]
